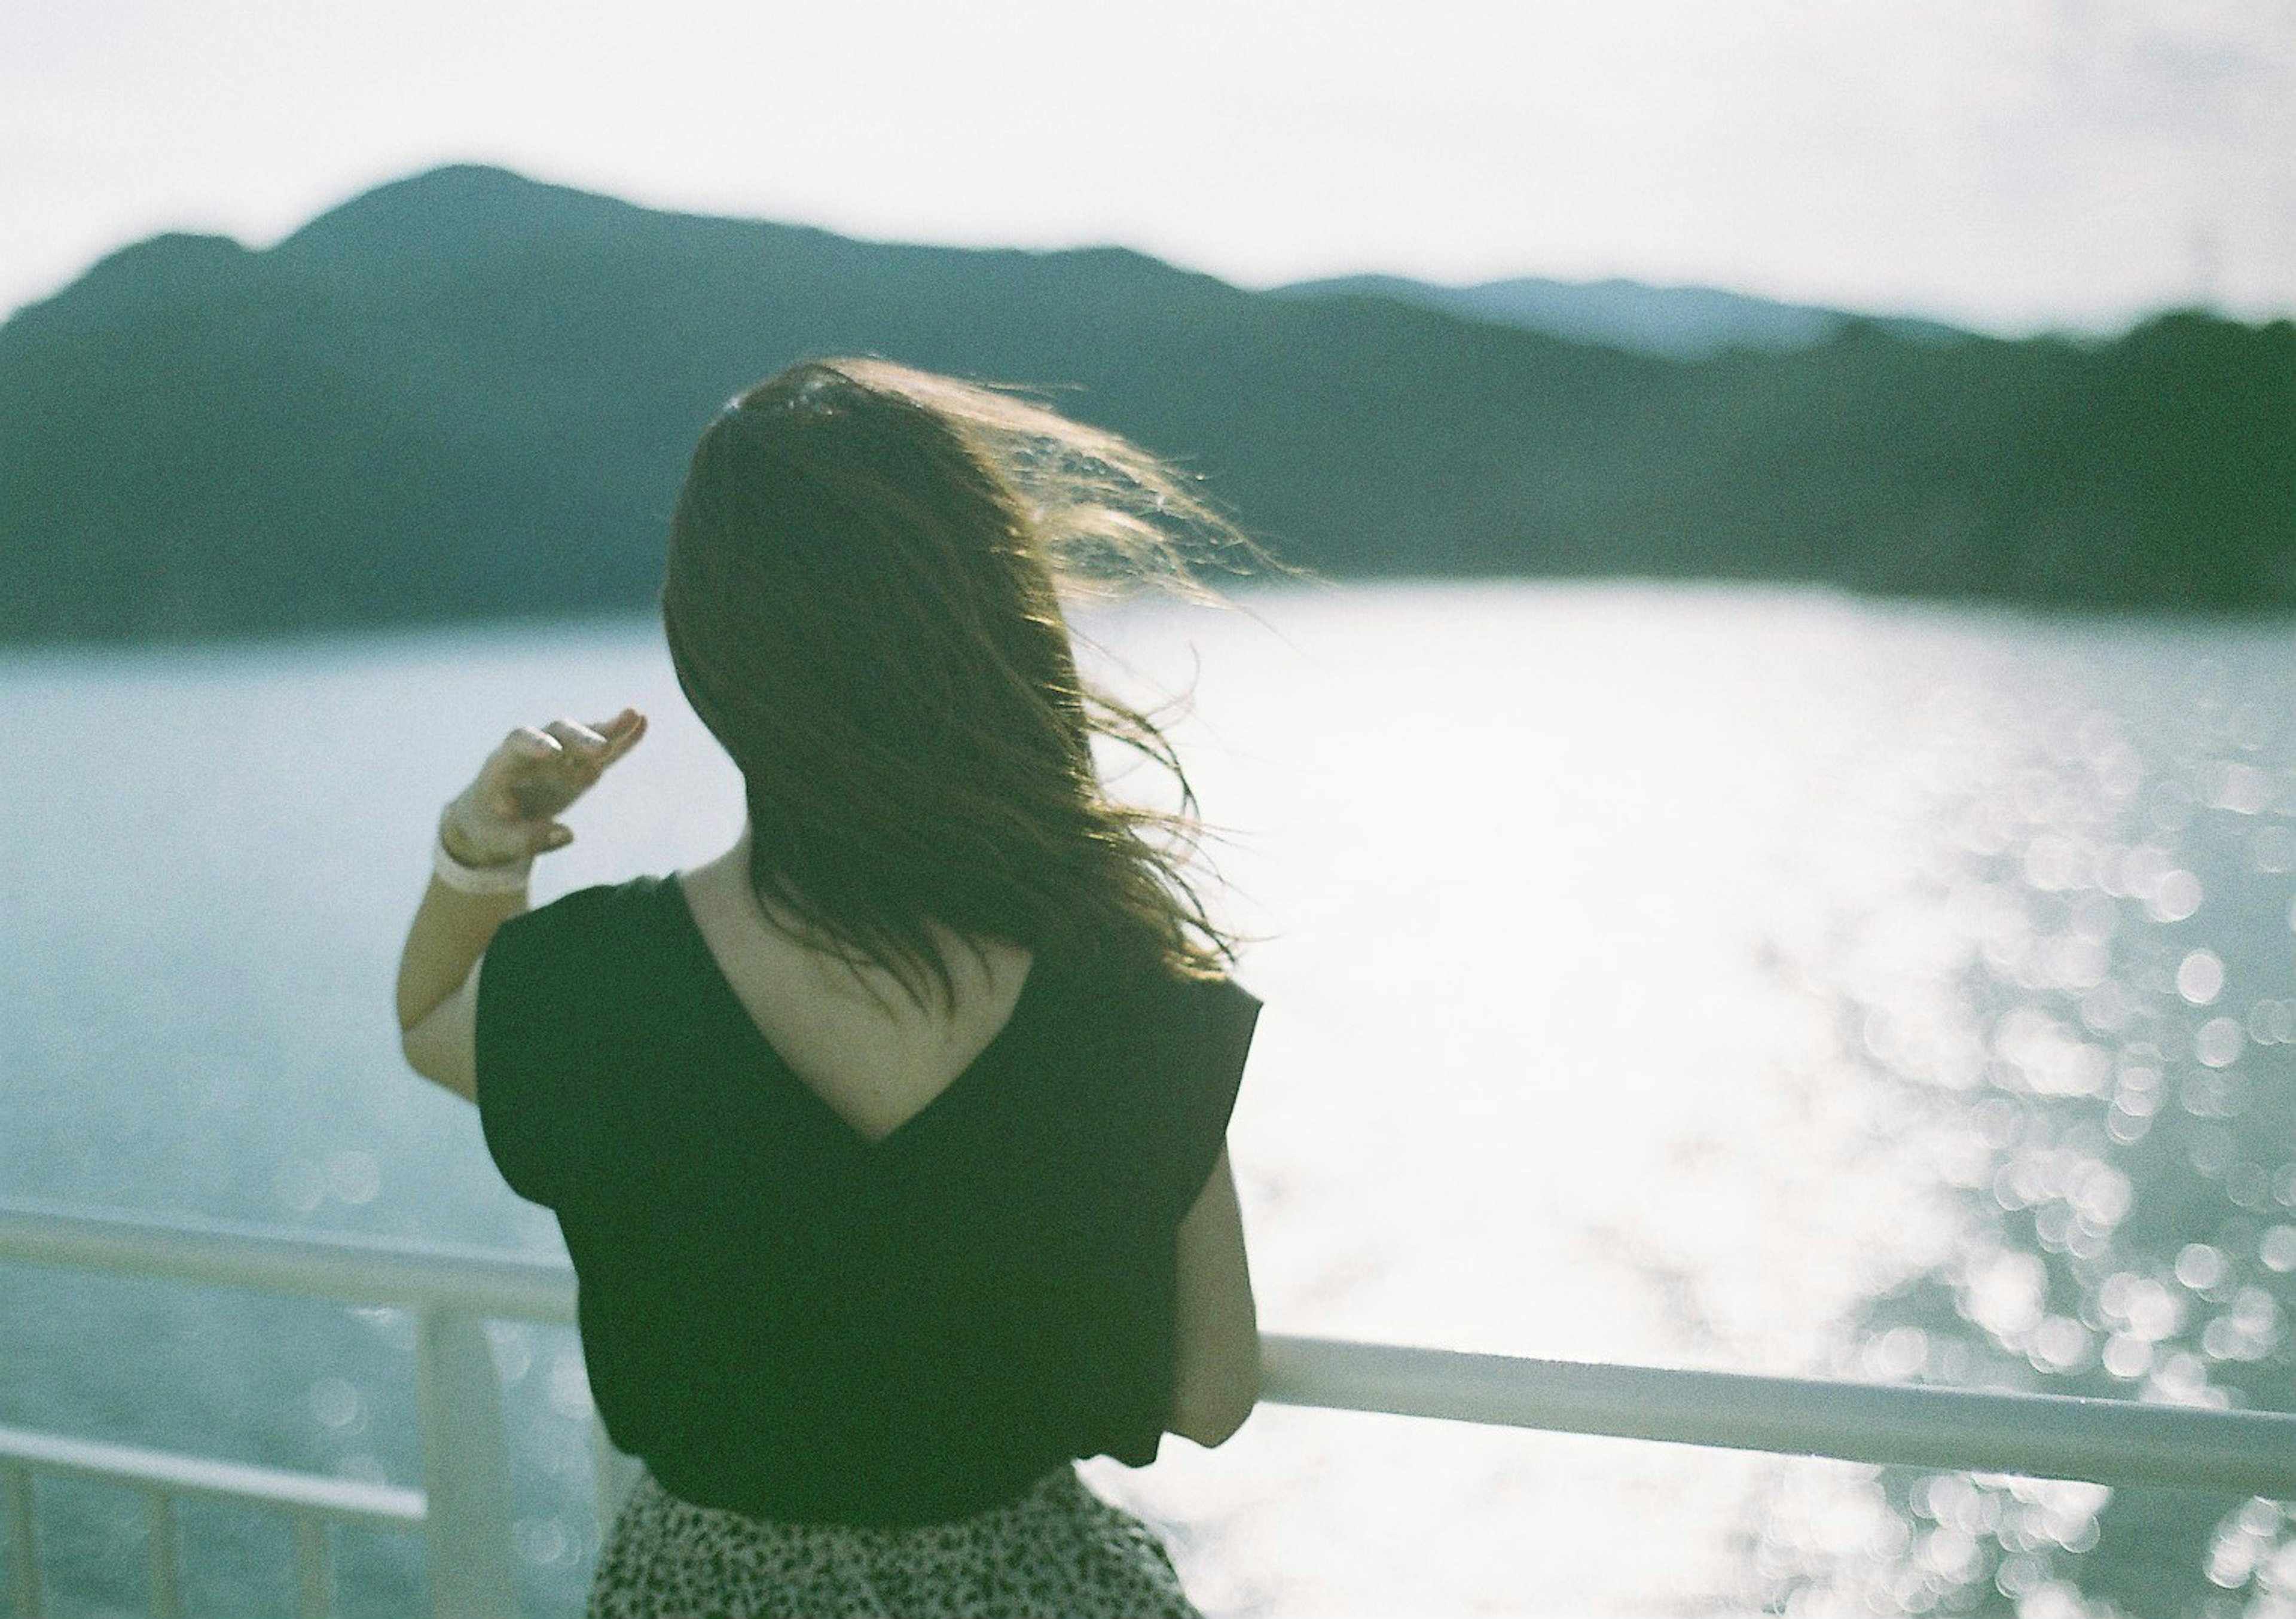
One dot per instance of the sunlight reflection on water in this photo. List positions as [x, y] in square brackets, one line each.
[2090, 1064]
[1694, 977]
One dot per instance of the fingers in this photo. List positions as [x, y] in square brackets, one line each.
[573, 740]
[578, 751]
[594, 748]
[530, 740]
[602, 742]
[540, 770]
[621, 733]
[525, 776]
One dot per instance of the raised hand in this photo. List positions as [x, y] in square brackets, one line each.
[511, 810]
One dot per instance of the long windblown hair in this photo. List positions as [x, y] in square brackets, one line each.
[863, 604]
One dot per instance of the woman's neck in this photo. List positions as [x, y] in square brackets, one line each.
[974, 967]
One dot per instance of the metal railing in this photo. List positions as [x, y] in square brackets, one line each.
[462, 1509]
[163, 1478]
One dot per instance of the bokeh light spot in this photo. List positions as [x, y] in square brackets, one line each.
[2175, 897]
[336, 1403]
[2201, 977]
[2200, 1267]
[2277, 1251]
[354, 1177]
[2219, 1042]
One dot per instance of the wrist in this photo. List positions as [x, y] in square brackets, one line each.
[457, 843]
[455, 864]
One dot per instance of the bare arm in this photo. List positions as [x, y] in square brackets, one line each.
[508, 813]
[437, 982]
[1215, 1378]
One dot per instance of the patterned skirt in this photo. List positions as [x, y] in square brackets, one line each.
[1057, 1552]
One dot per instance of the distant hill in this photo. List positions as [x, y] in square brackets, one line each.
[467, 395]
[1676, 322]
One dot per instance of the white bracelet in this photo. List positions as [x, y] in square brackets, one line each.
[509, 878]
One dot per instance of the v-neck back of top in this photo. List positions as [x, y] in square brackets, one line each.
[723, 1002]
[788, 1319]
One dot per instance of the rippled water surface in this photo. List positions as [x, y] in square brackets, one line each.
[1697, 978]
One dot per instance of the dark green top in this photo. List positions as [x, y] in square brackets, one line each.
[786, 1319]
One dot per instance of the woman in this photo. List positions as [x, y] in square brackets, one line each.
[888, 1145]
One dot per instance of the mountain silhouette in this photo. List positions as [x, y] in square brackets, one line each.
[468, 395]
[1676, 322]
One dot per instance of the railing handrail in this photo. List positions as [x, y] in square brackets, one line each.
[348, 1499]
[311, 1264]
[2124, 1442]
[2111, 1441]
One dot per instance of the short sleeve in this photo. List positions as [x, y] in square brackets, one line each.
[536, 1044]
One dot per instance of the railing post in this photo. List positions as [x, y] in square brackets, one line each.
[163, 1555]
[615, 1476]
[465, 1469]
[315, 1568]
[23, 1544]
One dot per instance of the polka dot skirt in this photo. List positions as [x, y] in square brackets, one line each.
[1056, 1552]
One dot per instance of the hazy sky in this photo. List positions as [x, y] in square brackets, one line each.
[2006, 163]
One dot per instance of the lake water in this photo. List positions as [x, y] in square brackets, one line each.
[1706, 977]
